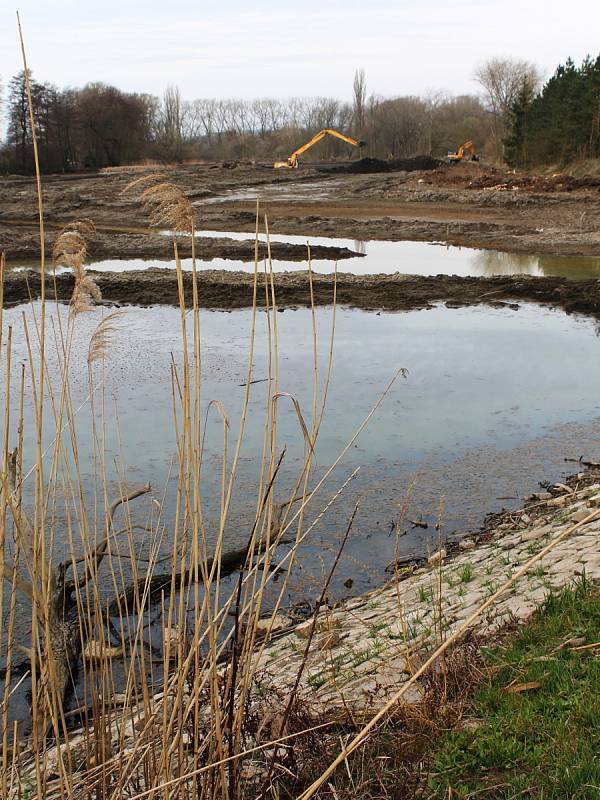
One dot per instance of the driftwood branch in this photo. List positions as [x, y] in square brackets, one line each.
[10, 575]
[152, 586]
[93, 563]
[63, 643]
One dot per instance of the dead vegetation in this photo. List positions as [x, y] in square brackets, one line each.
[70, 250]
[165, 203]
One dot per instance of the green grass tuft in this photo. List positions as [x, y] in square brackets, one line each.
[542, 743]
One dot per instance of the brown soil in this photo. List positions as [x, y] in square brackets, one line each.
[467, 204]
[228, 290]
[21, 242]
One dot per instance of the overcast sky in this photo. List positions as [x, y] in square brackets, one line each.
[259, 48]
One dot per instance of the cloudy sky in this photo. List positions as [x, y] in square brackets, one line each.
[258, 48]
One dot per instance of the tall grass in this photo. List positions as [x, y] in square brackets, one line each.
[62, 549]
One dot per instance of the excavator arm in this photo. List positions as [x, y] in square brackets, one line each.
[293, 159]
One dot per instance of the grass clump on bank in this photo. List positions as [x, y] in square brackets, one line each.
[535, 729]
[518, 718]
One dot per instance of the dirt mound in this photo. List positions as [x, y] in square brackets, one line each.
[369, 165]
[534, 183]
[459, 174]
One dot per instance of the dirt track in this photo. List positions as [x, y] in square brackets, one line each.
[468, 205]
[229, 290]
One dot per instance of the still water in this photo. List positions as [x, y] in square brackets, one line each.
[493, 402]
[379, 257]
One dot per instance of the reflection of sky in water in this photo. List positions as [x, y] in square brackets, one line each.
[484, 414]
[487, 411]
[384, 257]
[481, 381]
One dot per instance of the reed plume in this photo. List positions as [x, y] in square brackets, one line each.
[70, 250]
[165, 203]
[100, 338]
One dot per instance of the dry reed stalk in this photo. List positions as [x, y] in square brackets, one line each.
[100, 339]
[438, 615]
[165, 203]
[184, 384]
[197, 601]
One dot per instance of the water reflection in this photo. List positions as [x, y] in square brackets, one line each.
[496, 262]
[482, 387]
[378, 257]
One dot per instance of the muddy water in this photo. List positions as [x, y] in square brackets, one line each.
[425, 258]
[483, 415]
[429, 258]
[296, 191]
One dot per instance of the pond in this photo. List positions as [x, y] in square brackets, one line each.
[493, 402]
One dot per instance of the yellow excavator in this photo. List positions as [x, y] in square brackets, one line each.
[293, 162]
[460, 154]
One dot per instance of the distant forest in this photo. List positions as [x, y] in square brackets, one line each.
[100, 126]
[560, 123]
[517, 119]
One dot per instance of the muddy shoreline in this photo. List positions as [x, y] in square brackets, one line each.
[470, 205]
[338, 678]
[22, 243]
[220, 289]
[474, 233]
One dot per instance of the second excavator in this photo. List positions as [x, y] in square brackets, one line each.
[460, 155]
[293, 161]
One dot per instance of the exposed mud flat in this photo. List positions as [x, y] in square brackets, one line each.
[23, 243]
[468, 204]
[227, 290]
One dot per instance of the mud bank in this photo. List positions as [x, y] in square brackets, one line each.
[21, 242]
[229, 290]
[467, 205]
[567, 228]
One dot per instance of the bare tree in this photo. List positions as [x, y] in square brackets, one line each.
[360, 97]
[171, 123]
[433, 101]
[502, 79]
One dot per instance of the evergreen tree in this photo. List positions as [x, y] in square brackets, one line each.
[562, 123]
[516, 143]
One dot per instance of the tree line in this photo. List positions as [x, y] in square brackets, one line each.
[93, 127]
[561, 122]
[517, 119]
[101, 126]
